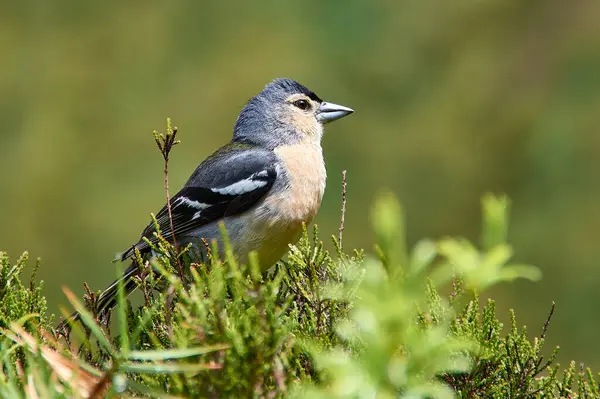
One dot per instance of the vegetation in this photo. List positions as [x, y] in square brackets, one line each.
[395, 323]
[344, 326]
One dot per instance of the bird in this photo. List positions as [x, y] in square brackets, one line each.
[263, 185]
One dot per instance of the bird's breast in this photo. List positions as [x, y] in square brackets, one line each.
[304, 178]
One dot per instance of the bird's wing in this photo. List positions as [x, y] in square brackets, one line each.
[228, 183]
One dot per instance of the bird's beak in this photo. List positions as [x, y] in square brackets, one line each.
[329, 112]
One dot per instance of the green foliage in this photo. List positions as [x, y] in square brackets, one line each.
[400, 323]
[19, 301]
[408, 337]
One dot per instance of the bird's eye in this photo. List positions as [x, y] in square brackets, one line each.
[302, 104]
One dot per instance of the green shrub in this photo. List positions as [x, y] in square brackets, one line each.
[398, 323]
[315, 326]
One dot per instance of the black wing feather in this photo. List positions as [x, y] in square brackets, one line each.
[199, 203]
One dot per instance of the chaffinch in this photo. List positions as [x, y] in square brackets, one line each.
[264, 184]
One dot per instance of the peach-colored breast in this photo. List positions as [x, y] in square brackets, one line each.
[307, 177]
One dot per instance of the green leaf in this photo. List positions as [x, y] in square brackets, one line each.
[512, 272]
[166, 368]
[460, 253]
[495, 211]
[88, 320]
[121, 311]
[173, 353]
[422, 256]
[497, 257]
[387, 218]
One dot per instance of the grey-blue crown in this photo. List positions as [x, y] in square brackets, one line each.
[256, 119]
[286, 87]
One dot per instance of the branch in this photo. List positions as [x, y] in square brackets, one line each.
[343, 217]
[165, 143]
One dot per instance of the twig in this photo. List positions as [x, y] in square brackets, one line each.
[165, 143]
[169, 302]
[547, 323]
[91, 300]
[342, 219]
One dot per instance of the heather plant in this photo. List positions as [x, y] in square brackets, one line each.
[393, 322]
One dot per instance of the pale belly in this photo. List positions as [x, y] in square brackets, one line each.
[270, 242]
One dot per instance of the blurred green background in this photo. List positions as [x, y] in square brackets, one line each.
[452, 99]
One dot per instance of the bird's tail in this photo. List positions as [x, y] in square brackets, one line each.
[108, 298]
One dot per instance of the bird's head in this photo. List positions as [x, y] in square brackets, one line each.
[284, 113]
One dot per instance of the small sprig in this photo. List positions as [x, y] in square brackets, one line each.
[165, 142]
[343, 215]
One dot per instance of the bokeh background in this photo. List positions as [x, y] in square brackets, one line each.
[453, 99]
